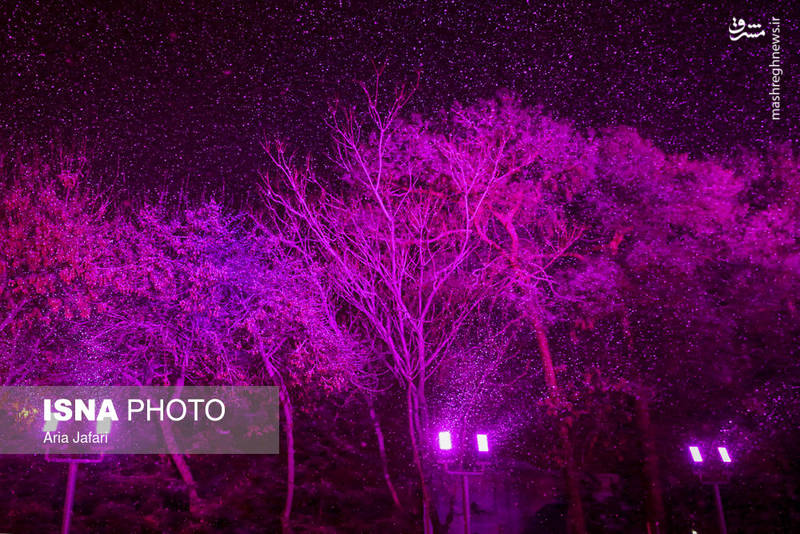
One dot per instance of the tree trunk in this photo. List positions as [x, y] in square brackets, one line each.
[577, 524]
[195, 502]
[655, 494]
[576, 521]
[286, 515]
[382, 451]
[286, 403]
[413, 430]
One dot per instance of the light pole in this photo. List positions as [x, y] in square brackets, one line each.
[463, 469]
[717, 477]
[51, 425]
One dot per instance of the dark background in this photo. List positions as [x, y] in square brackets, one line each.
[182, 92]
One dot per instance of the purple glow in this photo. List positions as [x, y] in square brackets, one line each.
[445, 441]
[695, 451]
[723, 453]
[483, 442]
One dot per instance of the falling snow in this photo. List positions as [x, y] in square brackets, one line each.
[555, 246]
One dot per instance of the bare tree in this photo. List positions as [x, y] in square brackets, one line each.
[397, 236]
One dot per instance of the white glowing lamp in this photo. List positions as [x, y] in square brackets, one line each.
[445, 441]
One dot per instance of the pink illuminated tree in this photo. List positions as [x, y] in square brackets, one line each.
[528, 228]
[56, 259]
[427, 221]
[646, 291]
[396, 236]
[209, 298]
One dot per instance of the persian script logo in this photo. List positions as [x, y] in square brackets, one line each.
[737, 30]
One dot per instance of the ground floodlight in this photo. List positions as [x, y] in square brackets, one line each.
[50, 425]
[695, 451]
[723, 453]
[483, 442]
[445, 441]
[104, 425]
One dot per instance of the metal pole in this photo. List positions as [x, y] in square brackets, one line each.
[466, 505]
[720, 514]
[71, 479]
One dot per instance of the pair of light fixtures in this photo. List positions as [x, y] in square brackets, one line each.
[698, 458]
[446, 441]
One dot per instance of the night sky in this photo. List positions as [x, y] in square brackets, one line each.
[182, 92]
